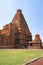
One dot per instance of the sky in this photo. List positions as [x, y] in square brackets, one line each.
[31, 9]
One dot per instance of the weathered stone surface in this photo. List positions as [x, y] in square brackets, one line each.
[36, 43]
[37, 38]
[16, 34]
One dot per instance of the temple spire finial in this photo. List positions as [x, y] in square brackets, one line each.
[19, 10]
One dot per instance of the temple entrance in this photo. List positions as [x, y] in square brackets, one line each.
[17, 45]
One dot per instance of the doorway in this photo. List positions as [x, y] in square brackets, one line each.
[17, 45]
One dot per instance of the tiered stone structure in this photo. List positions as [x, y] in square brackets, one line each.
[17, 34]
[36, 43]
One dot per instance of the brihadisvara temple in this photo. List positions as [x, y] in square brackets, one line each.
[16, 34]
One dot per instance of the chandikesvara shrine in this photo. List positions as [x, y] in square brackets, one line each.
[17, 34]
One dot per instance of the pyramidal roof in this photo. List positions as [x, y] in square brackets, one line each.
[20, 22]
[37, 38]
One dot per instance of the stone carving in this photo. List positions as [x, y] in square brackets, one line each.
[16, 34]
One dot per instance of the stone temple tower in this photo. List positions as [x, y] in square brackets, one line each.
[37, 41]
[15, 34]
[23, 34]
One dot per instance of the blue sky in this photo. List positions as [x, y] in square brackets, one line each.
[32, 11]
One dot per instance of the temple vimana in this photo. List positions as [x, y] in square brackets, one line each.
[16, 34]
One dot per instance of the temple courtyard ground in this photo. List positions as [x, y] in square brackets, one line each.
[18, 56]
[37, 62]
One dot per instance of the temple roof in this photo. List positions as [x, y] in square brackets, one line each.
[20, 22]
[37, 38]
